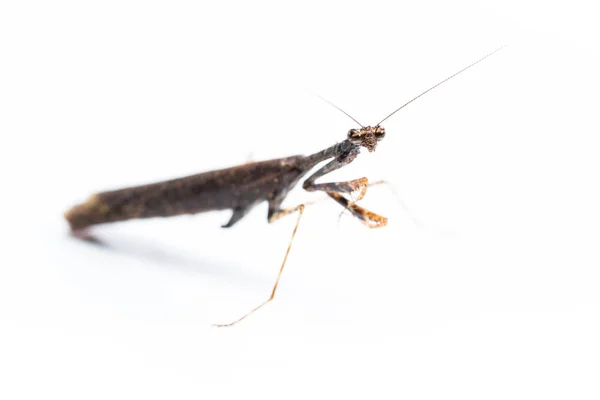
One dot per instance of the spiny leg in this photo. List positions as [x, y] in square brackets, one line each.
[336, 189]
[363, 192]
[354, 199]
[333, 190]
[399, 200]
[367, 217]
[355, 186]
[272, 218]
[367, 184]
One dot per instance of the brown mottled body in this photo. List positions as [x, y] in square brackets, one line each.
[238, 188]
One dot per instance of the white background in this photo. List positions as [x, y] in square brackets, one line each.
[483, 285]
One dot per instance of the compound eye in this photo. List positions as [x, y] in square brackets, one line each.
[380, 134]
[354, 135]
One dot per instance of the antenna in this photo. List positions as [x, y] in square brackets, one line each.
[330, 103]
[436, 85]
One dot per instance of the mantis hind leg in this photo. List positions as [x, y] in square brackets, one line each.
[274, 216]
